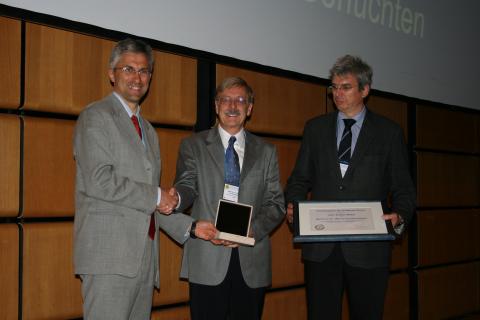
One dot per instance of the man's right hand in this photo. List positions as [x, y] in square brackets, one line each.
[205, 230]
[169, 201]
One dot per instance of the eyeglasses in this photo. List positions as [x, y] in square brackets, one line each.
[341, 87]
[227, 101]
[130, 71]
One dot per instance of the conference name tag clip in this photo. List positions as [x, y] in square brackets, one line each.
[230, 192]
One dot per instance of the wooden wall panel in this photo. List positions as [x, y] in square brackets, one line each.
[446, 236]
[287, 151]
[390, 108]
[9, 165]
[9, 252]
[397, 303]
[450, 130]
[169, 141]
[282, 106]
[400, 253]
[172, 97]
[285, 305]
[179, 313]
[64, 71]
[172, 289]
[10, 62]
[49, 168]
[50, 289]
[447, 292]
[447, 180]
[287, 265]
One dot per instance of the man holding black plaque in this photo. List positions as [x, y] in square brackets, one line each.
[351, 154]
[227, 279]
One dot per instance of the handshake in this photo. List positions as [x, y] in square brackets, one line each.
[168, 201]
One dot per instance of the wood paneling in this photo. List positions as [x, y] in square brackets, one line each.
[9, 252]
[446, 236]
[285, 305]
[282, 106]
[287, 265]
[172, 289]
[450, 130]
[397, 303]
[287, 151]
[447, 180]
[172, 97]
[49, 168]
[10, 62]
[169, 141]
[395, 110]
[180, 313]
[9, 165]
[400, 253]
[64, 71]
[50, 288]
[447, 292]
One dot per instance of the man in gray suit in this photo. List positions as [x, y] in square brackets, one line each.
[227, 279]
[117, 193]
[352, 154]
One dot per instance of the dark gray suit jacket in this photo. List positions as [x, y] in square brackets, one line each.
[200, 181]
[117, 180]
[378, 170]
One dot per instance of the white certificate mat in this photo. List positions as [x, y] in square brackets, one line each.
[233, 222]
[339, 221]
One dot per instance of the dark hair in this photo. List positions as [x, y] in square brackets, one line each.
[353, 65]
[133, 46]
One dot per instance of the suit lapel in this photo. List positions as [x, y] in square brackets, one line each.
[126, 126]
[365, 138]
[332, 150]
[250, 156]
[149, 148]
[215, 148]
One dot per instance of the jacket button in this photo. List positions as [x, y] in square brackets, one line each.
[341, 188]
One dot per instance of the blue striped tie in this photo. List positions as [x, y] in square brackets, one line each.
[232, 164]
[344, 149]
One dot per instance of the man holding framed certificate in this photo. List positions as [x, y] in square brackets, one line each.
[231, 177]
[349, 161]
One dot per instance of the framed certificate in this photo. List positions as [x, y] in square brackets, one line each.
[233, 222]
[315, 221]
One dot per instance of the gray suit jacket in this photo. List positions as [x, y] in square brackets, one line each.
[116, 190]
[200, 181]
[378, 171]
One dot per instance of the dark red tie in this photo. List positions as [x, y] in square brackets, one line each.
[137, 125]
[151, 228]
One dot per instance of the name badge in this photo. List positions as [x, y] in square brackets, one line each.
[230, 192]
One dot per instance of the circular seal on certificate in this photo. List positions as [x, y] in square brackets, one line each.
[319, 227]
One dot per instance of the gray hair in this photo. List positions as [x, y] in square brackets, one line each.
[131, 46]
[353, 65]
[232, 82]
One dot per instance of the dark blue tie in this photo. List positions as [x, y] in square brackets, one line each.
[344, 149]
[232, 165]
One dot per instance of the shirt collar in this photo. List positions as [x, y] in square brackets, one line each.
[225, 136]
[125, 106]
[359, 117]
